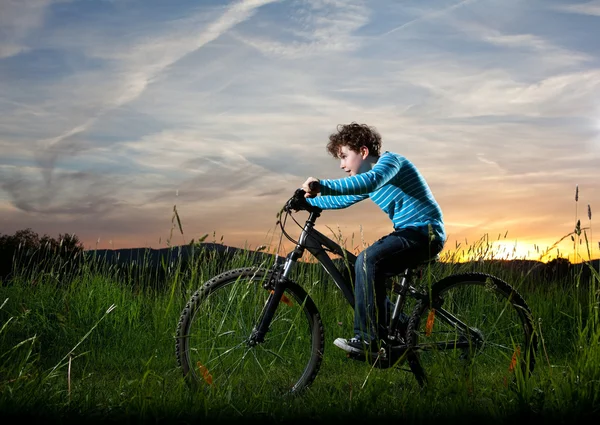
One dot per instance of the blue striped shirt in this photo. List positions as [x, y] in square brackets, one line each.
[396, 186]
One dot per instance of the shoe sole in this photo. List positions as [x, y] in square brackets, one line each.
[341, 343]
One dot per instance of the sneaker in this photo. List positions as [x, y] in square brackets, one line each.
[357, 345]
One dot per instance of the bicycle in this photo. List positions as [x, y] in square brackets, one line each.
[254, 328]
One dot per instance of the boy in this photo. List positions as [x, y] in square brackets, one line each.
[398, 188]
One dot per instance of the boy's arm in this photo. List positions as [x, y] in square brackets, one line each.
[385, 169]
[336, 202]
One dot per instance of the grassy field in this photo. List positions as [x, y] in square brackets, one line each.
[100, 347]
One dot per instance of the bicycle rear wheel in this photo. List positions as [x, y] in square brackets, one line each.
[214, 327]
[497, 346]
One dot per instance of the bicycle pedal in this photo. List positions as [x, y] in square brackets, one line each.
[373, 355]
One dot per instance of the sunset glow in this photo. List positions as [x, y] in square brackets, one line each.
[112, 113]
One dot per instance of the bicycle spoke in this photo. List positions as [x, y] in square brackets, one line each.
[217, 337]
[225, 353]
[496, 329]
[235, 366]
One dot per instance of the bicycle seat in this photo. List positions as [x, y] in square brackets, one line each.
[431, 260]
[415, 267]
[426, 262]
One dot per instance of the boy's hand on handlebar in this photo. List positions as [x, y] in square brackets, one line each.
[312, 187]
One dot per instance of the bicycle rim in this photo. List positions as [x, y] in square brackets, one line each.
[498, 349]
[214, 337]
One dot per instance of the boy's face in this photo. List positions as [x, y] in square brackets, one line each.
[352, 162]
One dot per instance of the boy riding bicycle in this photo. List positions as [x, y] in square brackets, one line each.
[399, 189]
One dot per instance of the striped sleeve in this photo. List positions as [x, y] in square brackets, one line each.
[381, 173]
[336, 202]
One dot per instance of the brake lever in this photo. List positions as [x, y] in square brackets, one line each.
[299, 203]
[297, 198]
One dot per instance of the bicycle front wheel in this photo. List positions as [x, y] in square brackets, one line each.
[473, 329]
[212, 340]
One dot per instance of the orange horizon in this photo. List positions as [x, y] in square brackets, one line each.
[542, 250]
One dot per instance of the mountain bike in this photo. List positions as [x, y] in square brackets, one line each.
[256, 329]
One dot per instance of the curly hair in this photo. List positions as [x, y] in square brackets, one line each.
[354, 136]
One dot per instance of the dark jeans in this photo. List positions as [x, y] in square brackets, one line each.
[391, 254]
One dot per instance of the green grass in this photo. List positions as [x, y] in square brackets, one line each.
[101, 347]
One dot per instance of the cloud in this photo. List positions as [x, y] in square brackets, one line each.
[430, 15]
[142, 62]
[315, 27]
[100, 92]
[548, 52]
[481, 157]
[202, 168]
[70, 193]
[17, 20]
[495, 109]
[466, 91]
[589, 8]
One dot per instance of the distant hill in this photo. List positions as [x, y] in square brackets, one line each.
[537, 271]
[555, 269]
[155, 257]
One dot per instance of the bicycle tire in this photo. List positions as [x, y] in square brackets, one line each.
[502, 349]
[213, 328]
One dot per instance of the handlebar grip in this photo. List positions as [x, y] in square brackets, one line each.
[298, 203]
[314, 185]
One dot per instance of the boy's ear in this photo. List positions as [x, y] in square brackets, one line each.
[364, 151]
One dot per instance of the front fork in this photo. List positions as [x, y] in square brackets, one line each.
[276, 284]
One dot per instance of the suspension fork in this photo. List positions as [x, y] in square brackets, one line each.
[277, 284]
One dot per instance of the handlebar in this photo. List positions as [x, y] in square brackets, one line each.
[314, 185]
[299, 203]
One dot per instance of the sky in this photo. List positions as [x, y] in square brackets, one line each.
[112, 112]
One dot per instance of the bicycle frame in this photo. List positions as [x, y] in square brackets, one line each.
[314, 241]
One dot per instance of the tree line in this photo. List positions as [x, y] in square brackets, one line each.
[27, 247]
[65, 255]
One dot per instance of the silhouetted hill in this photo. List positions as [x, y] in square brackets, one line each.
[154, 257]
[149, 267]
[554, 270]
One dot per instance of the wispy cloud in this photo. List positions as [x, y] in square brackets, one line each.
[135, 67]
[481, 157]
[315, 27]
[142, 62]
[17, 20]
[430, 15]
[589, 8]
[225, 108]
